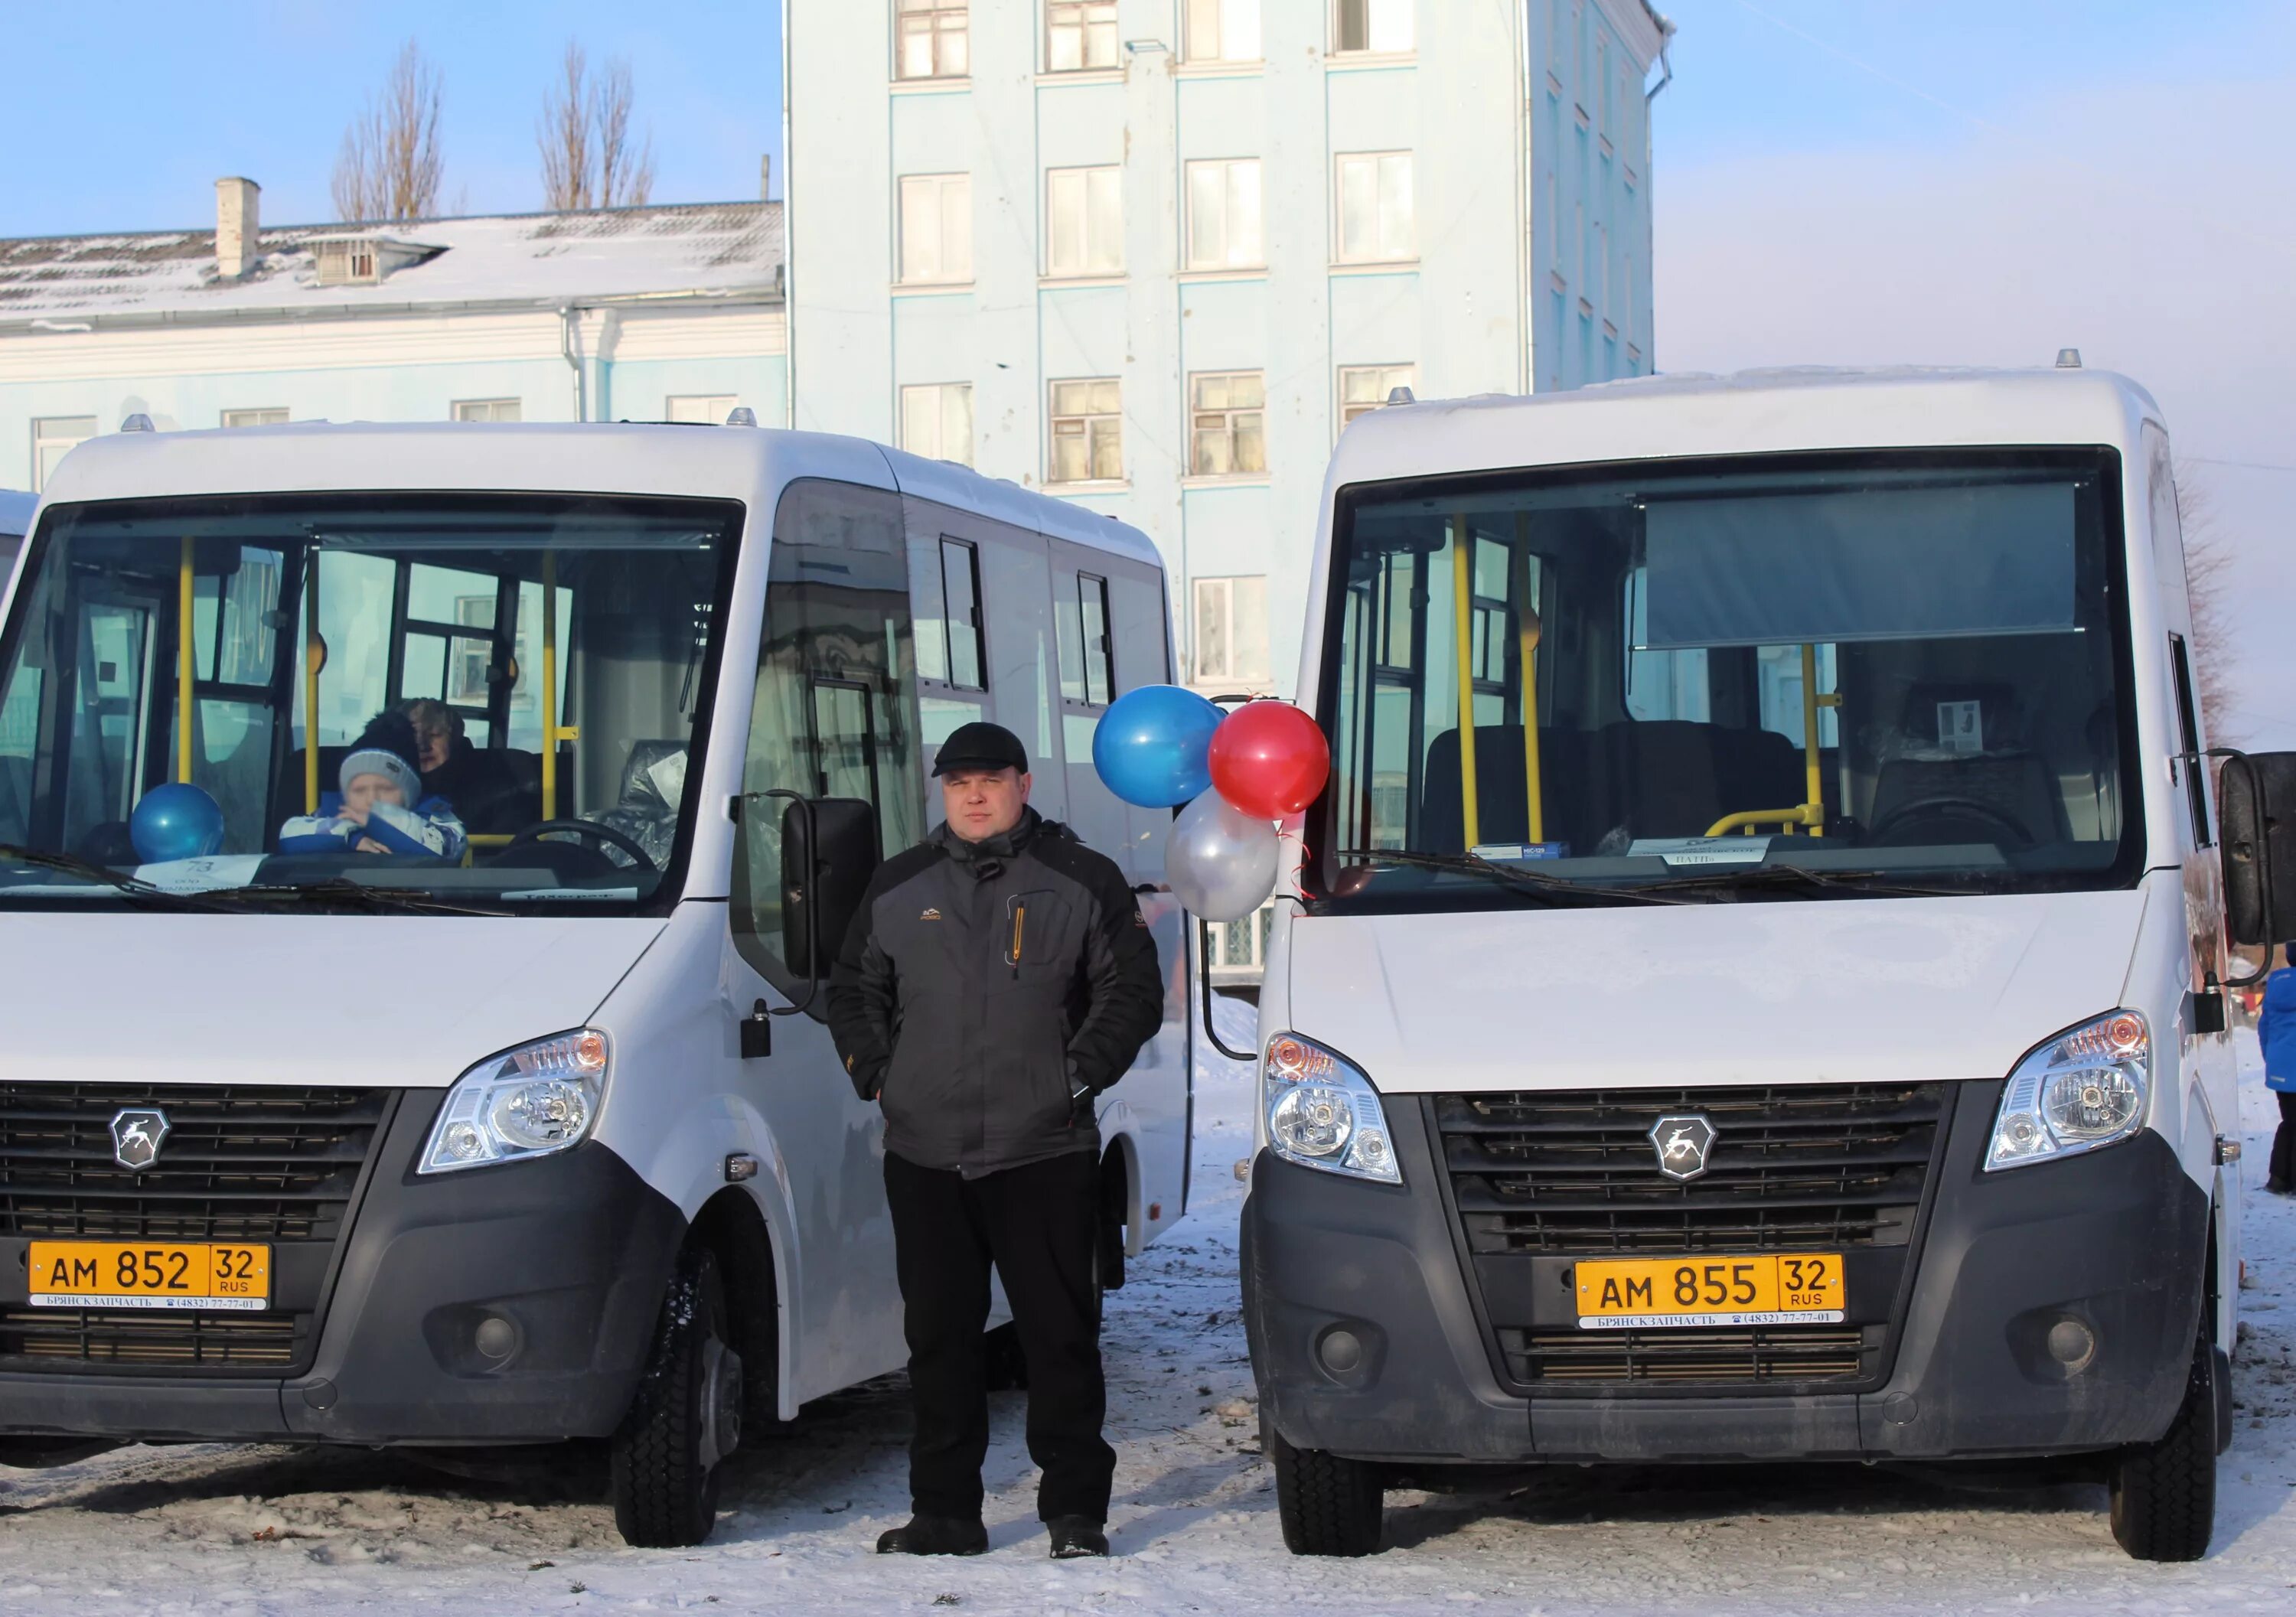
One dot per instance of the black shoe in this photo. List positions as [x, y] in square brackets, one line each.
[935, 1536]
[1077, 1536]
[2277, 1186]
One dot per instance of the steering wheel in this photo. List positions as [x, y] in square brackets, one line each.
[1965, 807]
[589, 831]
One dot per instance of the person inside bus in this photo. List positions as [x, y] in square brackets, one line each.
[382, 807]
[2276, 1031]
[481, 783]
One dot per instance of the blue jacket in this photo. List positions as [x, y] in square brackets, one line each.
[2276, 1029]
[429, 830]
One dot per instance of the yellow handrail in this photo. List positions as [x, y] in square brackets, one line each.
[315, 653]
[1533, 801]
[1463, 618]
[1805, 814]
[549, 685]
[1814, 776]
[183, 665]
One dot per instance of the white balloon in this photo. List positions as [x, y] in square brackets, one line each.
[1220, 860]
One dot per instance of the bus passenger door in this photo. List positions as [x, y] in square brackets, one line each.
[833, 716]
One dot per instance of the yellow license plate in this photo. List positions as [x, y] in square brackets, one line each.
[1795, 1288]
[124, 1275]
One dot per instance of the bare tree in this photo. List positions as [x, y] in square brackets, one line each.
[2208, 579]
[390, 166]
[591, 155]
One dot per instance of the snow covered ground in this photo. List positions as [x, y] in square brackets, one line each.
[281, 1531]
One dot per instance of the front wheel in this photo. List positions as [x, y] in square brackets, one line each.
[1328, 1505]
[686, 1420]
[2164, 1494]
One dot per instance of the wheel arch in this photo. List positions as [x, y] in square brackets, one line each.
[735, 1230]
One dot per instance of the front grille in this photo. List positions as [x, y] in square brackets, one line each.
[86, 1336]
[237, 1163]
[1690, 1358]
[1792, 1168]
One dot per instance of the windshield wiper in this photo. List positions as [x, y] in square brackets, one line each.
[1531, 884]
[103, 875]
[1875, 882]
[341, 890]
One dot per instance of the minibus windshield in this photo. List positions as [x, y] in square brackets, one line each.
[1823, 676]
[183, 683]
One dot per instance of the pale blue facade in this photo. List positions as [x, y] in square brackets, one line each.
[1506, 246]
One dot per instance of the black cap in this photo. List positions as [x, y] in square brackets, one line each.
[981, 745]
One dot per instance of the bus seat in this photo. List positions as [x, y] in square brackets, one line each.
[2005, 777]
[1565, 794]
[1675, 778]
[654, 781]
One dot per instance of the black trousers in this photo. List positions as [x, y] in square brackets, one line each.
[1038, 1225]
[2282, 1168]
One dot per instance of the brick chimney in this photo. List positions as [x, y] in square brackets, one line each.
[238, 223]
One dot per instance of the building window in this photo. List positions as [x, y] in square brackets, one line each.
[1375, 209]
[694, 409]
[1231, 630]
[936, 421]
[1084, 222]
[53, 437]
[490, 409]
[1223, 215]
[1222, 30]
[1227, 431]
[1364, 388]
[935, 227]
[931, 39]
[254, 418]
[1079, 36]
[1371, 25]
[1087, 432]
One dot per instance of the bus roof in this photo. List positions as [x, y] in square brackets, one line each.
[746, 464]
[1747, 413]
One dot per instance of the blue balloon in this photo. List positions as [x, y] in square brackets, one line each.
[176, 821]
[1153, 747]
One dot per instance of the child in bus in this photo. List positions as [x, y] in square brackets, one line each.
[381, 808]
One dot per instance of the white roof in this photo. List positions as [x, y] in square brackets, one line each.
[1749, 412]
[687, 248]
[746, 464]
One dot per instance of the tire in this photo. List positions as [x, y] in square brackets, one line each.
[2164, 1494]
[686, 1419]
[1328, 1506]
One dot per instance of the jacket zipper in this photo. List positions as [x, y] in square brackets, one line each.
[1019, 915]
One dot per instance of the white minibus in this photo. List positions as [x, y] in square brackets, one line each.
[546, 1143]
[1757, 986]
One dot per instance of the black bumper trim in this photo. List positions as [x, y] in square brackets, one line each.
[2116, 1240]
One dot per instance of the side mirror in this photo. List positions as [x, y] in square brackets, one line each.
[828, 852]
[2256, 799]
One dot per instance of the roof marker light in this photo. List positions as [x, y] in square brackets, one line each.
[138, 422]
[2069, 359]
[741, 415]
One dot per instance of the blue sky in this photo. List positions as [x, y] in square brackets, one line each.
[1836, 181]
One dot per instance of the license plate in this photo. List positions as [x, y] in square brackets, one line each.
[122, 1274]
[1623, 1294]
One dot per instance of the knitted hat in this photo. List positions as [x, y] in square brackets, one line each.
[388, 747]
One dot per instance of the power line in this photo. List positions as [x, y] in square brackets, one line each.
[2244, 465]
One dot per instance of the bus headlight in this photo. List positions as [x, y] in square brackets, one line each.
[537, 1099]
[2084, 1088]
[1322, 1112]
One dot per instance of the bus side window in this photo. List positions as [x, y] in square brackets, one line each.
[833, 712]
[1140, 632]
[2191, 766]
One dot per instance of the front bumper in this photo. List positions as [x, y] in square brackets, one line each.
[572, 1250]
[2116, 1239]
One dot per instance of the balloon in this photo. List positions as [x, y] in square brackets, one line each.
[176, 821]
[1150, 746]
[1220, 861]
[1269, 759]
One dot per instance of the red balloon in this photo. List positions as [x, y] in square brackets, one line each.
[1269, 759]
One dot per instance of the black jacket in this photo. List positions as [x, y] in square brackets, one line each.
[983, 985]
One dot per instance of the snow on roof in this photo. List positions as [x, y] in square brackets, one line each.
[689, 248]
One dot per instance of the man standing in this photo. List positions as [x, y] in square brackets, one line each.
[998, 976]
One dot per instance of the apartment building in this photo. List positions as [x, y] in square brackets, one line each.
[1155, 255]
